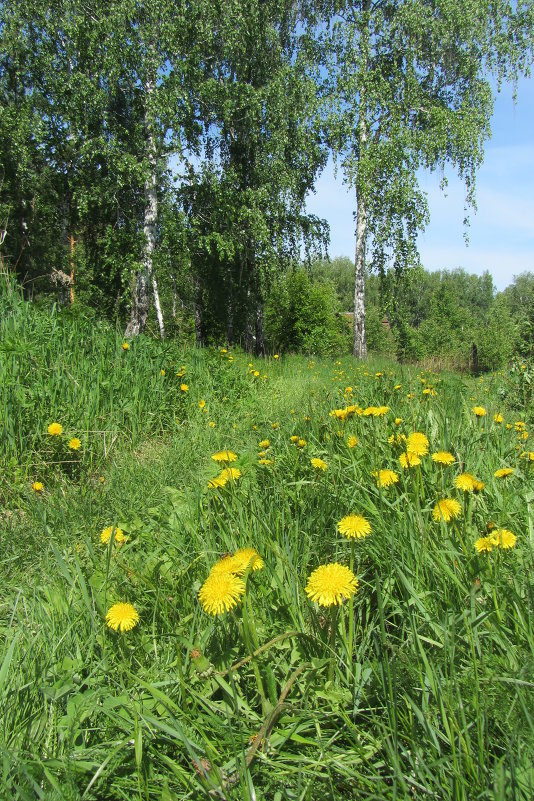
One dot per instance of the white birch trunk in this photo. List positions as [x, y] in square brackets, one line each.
[360, 342]
[141, 293]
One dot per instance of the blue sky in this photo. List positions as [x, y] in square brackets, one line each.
[501, 233]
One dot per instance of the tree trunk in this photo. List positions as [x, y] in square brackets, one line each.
[260, 332]
[360, 342]
[141, 289]
[198, 314]
[72, 244]
[157, 304]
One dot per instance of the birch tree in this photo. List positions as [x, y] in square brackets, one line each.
[410, 87]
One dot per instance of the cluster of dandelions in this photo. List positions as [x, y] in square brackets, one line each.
[498, 538]
[56, 430]
[227, 474]
[224, 587]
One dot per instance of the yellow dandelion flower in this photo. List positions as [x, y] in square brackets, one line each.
[478, 486]
[319, 464]
[484, 545]
[221, 592]
[184, 388]
[446, 509]
[211, 424]
[354, 526]
[417, 444]
[465, 482]
[75, 444]
[293, 438]
[122, 617]
[276, 356]
[443, 457]
[380, 411]
[201, 403]
[503, 538]
[245, 558]
[339, 414]
[352, 442]
[105, 535]
[504, 472]
[479, 411]
[385, 478]
[520, 425]
[301, 443]
[369, 411]
[37, 486]
[409, 459]
[274, 426]
[162, 371]
[231, 473]
[55, 429]
[398, 421]
[125, 346]
[397, 386]
[265, 443]
[223, 457]
[529, 455]
[331, 584]
[498, 418]
[265, 461]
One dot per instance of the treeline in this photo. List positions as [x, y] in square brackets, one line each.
[155, 157]
[450, 315]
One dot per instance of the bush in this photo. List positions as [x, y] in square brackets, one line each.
[302, 316]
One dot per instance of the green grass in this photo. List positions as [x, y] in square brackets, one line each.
[435, 698]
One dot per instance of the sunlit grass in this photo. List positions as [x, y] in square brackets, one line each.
[423, 690]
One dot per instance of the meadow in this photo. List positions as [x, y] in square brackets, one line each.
[248, 578]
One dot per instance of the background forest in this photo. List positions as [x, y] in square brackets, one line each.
[156, 158]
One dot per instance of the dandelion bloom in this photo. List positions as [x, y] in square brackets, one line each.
[352, 526]
[409, 459]
[274, 426]
[294, 438]
[265, 443]
[224, 456]
[221, 592]
[276, 356]
[446, 509]
[465, 482]
[398, 421]
[331, 584]
[498, 418]
[443, 457]
[478, 486]
[184, 388]
[528, 455]
[37, 486]
[231, 473]
[106, 533]
[352, 442]
[265, 461]
[301, 443]
[55, 429]
[125, 346]
[479, 411]
[162, 372]
[201, 403]
[75, 444]
[122, 616]
[245, 558]
[503, 472]
[319, 464]
[385, 478]
[503, 537]
[417, 444]
[484, 544]
[520, 425]
[380, 411]
[211, 424]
